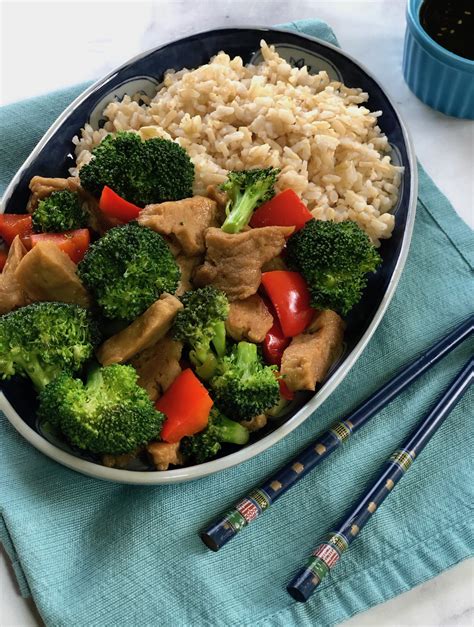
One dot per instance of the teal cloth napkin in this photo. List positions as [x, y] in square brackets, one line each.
[94, 553]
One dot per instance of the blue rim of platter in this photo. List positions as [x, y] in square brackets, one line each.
[53, 156]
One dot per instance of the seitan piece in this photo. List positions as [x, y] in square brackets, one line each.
[123, 460]
[248, 319]
[158, 366]
[256, 423]
[277, 263]
[12, 295]
[221, 198]
[16, 253]
[187, 265]
[234, 261]
[142, 333]
[41, 187]
[308, 358]
[164, 454]
[47, 273]
[185, 221]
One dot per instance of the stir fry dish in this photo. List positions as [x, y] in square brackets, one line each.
[157, 324]
[194, 273]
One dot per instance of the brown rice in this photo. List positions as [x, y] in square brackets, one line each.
[229, 116]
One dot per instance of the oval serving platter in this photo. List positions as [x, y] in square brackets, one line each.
[52, 157]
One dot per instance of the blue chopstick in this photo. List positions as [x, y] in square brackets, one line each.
[329, 551]
[223, 529]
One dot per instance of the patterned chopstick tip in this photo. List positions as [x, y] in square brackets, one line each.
[220, 531]
[327, 554]
[329, 551]
[324, 557]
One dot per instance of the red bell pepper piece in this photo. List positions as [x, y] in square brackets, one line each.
[73, 243]
[290, 298]
[12, 224]
[274, 344]
[285, 391]
[186, 405]
[3, 259]
[114, 206]
[284, 209]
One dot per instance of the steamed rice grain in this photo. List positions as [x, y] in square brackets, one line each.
[228, 116]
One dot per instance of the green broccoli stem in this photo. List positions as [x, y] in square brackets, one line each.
[94, 386]
[206, 366]
[231, 432]
[240, 214]
[246, 355]
[95, 380]
[278, 408]
[218, 340]
[39, 374]
[204, 359]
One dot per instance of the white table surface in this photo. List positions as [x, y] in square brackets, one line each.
[69, 42]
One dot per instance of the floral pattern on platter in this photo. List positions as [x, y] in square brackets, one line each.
[145, 85]
[298, 57]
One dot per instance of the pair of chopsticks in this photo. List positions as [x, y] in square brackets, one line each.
[329, 551]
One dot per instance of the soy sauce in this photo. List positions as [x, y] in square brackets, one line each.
[451, 24]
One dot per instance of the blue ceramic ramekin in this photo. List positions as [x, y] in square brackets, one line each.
[439, 78]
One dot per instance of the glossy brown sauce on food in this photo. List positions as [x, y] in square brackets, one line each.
[451, 24]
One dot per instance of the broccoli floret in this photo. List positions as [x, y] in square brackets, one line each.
[334, 258]
[207, 443]
[43, 339]
[243, 387]
[246, 190]
[61, 211]
[142, 172]
[201, 323]
[128, 269]
[110, 413]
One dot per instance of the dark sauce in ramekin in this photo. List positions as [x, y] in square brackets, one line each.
[451, 24]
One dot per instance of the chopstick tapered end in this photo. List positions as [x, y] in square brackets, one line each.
[218, 533]
[296, 594]
[209, 541]
[302, 586]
